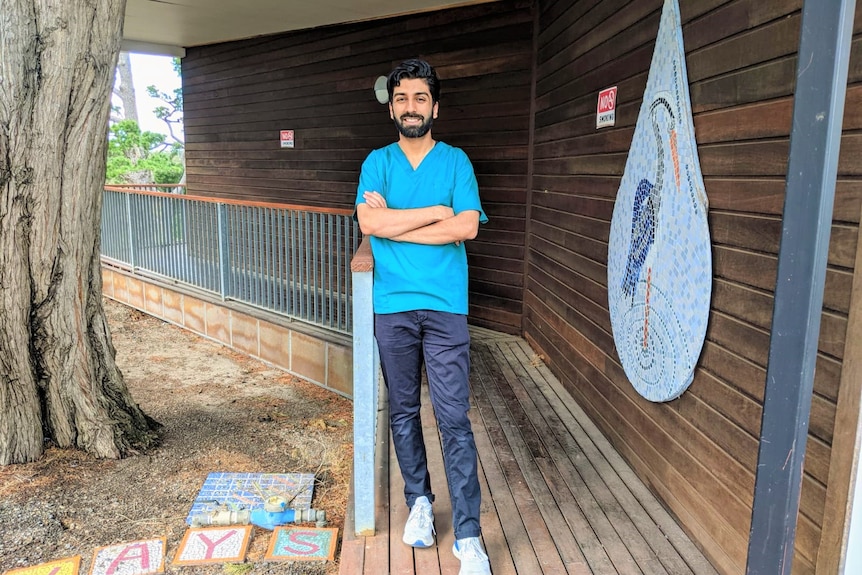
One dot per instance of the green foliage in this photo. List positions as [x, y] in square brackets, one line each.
[166, 167]
[131, 150]
[172, 112]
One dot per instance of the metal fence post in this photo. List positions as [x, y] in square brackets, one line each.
[131, 230]
[365, 392]
[223, 251]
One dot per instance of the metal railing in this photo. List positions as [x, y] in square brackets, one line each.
[290, 260]
[166, 188]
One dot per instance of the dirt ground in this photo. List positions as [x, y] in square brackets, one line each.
[221, 411]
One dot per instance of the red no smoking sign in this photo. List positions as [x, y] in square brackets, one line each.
[606, 110]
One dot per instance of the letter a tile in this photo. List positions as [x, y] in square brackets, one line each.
[133, 558]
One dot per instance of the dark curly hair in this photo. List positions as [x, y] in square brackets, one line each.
[413, 69]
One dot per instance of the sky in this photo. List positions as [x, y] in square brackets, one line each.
[148, 70]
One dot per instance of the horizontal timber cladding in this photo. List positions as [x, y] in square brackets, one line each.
[239, 95]
[698, 452]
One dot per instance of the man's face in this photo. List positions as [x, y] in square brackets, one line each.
[412, 109]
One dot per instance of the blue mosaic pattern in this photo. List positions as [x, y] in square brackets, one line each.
[249, 490]
[659, 252]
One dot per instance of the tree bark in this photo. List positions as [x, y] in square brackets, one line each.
[126, 89]
[58, 376]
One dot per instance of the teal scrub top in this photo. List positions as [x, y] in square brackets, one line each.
[410, 276]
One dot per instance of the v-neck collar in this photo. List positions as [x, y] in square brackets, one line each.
[406, 160]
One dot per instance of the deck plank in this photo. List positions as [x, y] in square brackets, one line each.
[506, 499]
[437, 559]
[493, 531]
[583, 478]
[400, 555]
[377, 547]
[662, 532]
[352, 553]
[512, 451]
[560, 507]
[512, 535]
[556, 497]
[619, 537]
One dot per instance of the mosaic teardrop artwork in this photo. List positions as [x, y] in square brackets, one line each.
[659, 254]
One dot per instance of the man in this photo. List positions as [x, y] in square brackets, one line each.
[419, 201]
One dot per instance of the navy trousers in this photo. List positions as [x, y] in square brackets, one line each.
[442, 341]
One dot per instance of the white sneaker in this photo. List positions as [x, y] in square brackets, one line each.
[419, 529]
[473, 559]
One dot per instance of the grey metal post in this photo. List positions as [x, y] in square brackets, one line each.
[365, 402]
[131, 229]
[223, 251]
[815, 138]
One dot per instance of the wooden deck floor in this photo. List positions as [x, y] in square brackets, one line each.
[556, 497]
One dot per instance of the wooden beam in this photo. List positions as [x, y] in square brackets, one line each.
[845, 438]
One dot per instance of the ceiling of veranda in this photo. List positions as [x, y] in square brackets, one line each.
[168, 26]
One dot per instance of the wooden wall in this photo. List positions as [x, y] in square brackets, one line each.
[548, 180]
[698, 452]
[238, 96]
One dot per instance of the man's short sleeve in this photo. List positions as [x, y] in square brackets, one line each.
[466, 196]
[370, 179]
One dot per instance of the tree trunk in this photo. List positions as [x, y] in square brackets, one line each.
[58, 376]
[126, 89]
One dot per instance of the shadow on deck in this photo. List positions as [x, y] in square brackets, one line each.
[556, 497]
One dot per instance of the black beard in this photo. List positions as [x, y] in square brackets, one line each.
[414, 131]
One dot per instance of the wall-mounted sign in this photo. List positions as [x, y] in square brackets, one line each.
[606, 111]
[287, 138]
